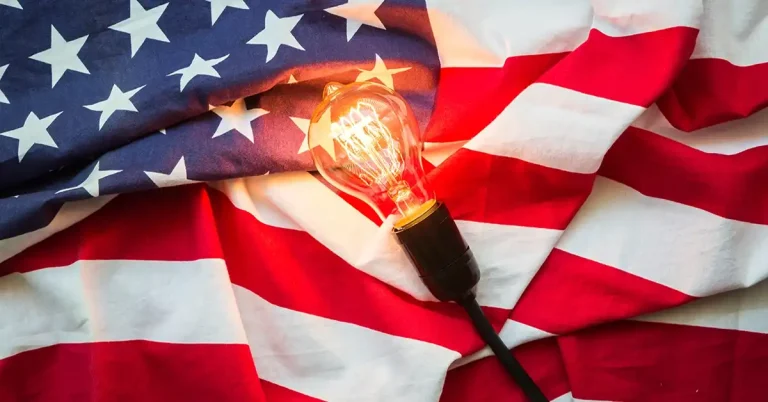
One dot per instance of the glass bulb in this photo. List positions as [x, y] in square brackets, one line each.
[365, 141]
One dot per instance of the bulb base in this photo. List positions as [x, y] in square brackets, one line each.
[443, 259]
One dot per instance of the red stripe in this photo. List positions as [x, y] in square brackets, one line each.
[495, 189]
[712, 91]
[639, 361]
[570, 292]
[291, 269]
[131, 371]
[287, 267]
[633, 69]
[277, 393]
[468, 99]
[485, 380]
[732, 186]
[127, 228]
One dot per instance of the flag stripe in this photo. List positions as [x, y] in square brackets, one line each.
[675, 245]
[728, 138]
[115, 300]
[494, 30]
[504, 275]
[136, 370]
[728, 33]
[470, 98]
[69, 214]
[731, 186]
[486, 380]
[508, 257]
[332, 288]
[333, 360]
[513, 334]
[508, 191]
[639, 69]
[717, 90]
[316, 281]
[119, 231]
[570, 292]
[629, 17]
[741, 310]
[632, 360]
[575, 141]
[373, 250]
[346, 232]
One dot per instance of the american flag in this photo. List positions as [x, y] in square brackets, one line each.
[607, 161]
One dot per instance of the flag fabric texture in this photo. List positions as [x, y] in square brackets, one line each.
[163, 236]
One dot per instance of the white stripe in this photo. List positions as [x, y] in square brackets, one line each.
[735, 30]
[437, 152]
[248, 195]
[513, 334]
[99, 301]
[338, 361]
[342, 229]
[69, 214]
[727, 138]
[741, 310]
[508, 256]
[556, 127]
[676, 245]
[631, 17]
[490, 31]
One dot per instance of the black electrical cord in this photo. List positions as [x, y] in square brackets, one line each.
[448, 268]
[505, 356]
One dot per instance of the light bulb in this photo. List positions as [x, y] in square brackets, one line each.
[365, 141]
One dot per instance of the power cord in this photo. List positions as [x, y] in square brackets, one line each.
[505, 356]
[448, 268]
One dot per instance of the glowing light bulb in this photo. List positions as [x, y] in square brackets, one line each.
[365, 141]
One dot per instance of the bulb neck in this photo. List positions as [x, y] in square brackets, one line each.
[443, 259]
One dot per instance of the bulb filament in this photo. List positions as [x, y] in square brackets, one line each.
[374, 152]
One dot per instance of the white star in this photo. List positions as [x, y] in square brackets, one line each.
[321, 134]
[118, 100]
[178, 176]
[62, 56]
[292, 79]
[3, 98]
[91, 183]
[162, 131]
[277, 32]
[199, 66]
[303, 125]
[34, 131]
[380, 72]
[357, 13]
[142, 25]
[237, 117]
[218, 6]
[10, 3]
